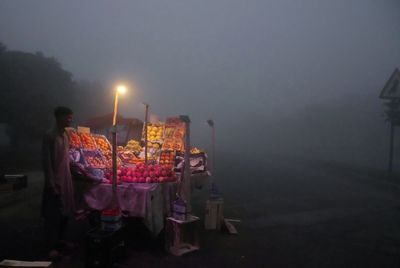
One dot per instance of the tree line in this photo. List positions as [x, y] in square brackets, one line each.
[31, 85]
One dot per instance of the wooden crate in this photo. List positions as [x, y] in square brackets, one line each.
[214, 214]
[182, 236]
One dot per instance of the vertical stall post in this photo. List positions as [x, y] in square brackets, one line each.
[186, 172]
[120, 90]
[146, 118]
[212, 156]
[214, 205]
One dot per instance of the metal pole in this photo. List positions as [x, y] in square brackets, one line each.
[145, 132]
[213, 148]
[115, 109]
[114, 150]
[114, 160]
[186, 180]
[390, 167]
[186, 191]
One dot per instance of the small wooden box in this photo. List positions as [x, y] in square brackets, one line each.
[214, 214]
[182, 236]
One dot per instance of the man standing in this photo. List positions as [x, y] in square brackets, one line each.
[58, 194]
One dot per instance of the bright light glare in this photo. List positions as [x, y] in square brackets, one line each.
[121, 89]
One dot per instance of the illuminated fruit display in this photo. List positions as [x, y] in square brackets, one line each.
[129, 157]
[133, 145]
[154, 145]
[195, 150]
[155, 132]
[172, 144]
[167, 158]
[108, 159]
[87, 141]
[74, 140]
[144, 174]
[94, 159]
[102, 143]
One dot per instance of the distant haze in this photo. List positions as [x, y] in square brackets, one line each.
[238, 62]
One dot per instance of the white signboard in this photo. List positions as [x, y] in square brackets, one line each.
[392, 87]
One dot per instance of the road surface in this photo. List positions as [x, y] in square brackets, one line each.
[294, 213]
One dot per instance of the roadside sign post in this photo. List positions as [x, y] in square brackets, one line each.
[391, 92]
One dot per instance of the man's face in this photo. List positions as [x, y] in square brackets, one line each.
[65, 121]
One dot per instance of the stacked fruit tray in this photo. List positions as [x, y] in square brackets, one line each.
[167, 158]
[133, 146]
[105, 148]
[74, 139]
[155, 132]
[129, 157]
[93, 159]
[88, 142]
[173, 135]
[102, 143]
[143, 174]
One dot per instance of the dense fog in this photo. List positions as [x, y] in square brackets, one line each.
[278, 77]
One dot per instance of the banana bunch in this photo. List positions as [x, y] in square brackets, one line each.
[133, 145]
[195, 150]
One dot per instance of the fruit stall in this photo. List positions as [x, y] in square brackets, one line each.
[144, 189]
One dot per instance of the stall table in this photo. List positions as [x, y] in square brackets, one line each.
[149, 201]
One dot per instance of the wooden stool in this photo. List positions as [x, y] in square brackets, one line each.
[182, 236]
[214, 214]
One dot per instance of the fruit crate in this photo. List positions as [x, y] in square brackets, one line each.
[73, 139]
[87, 141]
[167, 157]
[93, 159]
[155, 132]
[102, 143]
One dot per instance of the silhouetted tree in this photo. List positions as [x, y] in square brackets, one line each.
[31, 85]
[3, 48]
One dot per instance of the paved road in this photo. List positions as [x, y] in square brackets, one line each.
[314, 214]
[295, 213]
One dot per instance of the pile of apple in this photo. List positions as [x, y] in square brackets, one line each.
[143, 174]
[167, 158]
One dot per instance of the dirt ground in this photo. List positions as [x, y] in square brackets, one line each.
[295, 213]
